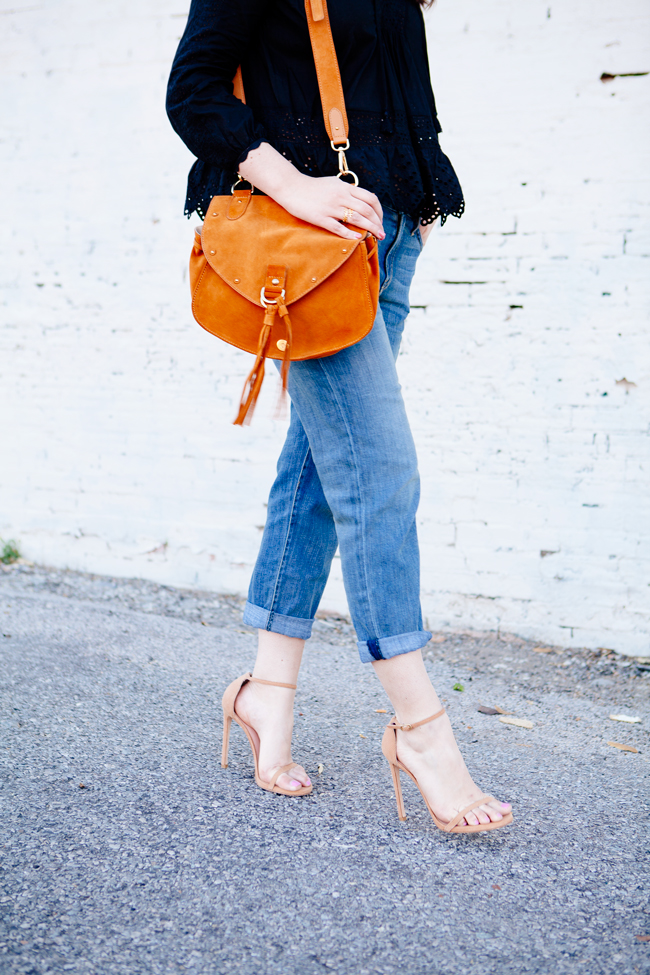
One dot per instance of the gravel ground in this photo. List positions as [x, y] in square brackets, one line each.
[127, 849]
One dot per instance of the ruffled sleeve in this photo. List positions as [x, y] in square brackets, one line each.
[215, 126]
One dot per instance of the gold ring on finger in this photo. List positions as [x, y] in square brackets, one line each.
[348, 214]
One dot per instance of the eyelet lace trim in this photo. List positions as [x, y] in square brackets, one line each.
[397, 157]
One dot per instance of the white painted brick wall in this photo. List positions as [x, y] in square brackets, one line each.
[117, 451]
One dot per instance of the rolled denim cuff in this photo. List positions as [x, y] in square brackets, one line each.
[392, 646]
[266, 619]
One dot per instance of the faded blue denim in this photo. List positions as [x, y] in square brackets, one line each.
[348, 475]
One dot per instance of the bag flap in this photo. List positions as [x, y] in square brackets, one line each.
[241, 248]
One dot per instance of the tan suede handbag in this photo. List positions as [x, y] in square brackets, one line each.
[272, 284]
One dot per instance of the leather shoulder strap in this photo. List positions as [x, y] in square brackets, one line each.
[238, 86]
[327, 71]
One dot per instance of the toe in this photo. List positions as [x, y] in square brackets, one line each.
[287, 781]
[295, 778]
[298, 773]
[493, 814]
[498, 810]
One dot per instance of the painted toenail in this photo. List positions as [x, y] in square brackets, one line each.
[295, 784]
[308, 781]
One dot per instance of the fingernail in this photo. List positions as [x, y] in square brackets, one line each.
[295, 784]
[358, 236]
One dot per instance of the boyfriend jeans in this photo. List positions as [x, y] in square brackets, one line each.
[347, 476]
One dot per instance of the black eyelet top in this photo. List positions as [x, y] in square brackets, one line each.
[381, 48]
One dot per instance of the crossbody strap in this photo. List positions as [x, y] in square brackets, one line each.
[327, 70]
[329, 81]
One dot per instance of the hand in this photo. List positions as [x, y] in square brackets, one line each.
[324, 200]
[321, 200]
[425, 230]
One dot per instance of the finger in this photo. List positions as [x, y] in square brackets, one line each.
[365, 218]
[356, 220]
[363, 209]
[366, 196]
[340, 229]
[371, 228]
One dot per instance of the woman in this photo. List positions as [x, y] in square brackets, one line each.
[347, 474]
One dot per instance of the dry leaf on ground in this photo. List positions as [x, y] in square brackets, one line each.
[321, 769]
[517, 722]
[381, 711]
[485, 710]
[624, 717]
[542, 649]
[623, 748]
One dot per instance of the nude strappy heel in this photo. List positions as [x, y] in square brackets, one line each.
[229, 715]
[389, 748]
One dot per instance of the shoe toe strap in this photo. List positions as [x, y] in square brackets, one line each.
[461, 815]
[280, 771]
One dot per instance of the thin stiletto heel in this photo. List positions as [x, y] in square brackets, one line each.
[389, 748]
[227, 721]
[401, 812]
[230, 715]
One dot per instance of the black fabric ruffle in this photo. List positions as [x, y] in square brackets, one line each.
[381, 45]
[409, 175]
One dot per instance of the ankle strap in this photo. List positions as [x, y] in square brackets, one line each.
[272, 683]
[416, 724]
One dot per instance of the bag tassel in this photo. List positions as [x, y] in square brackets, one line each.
[286, 360]
[255, 378]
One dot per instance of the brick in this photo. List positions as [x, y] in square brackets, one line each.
[118, 450]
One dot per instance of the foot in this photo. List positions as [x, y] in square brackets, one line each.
[430, 752]
[268, 711]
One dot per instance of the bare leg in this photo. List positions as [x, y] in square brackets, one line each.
[430, 752]
[269, 710]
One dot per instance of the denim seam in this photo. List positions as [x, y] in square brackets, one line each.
[389, 255]
[286, 541]
[359, 493]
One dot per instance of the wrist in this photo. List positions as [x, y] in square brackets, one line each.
[285, 186]
[271, 172]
